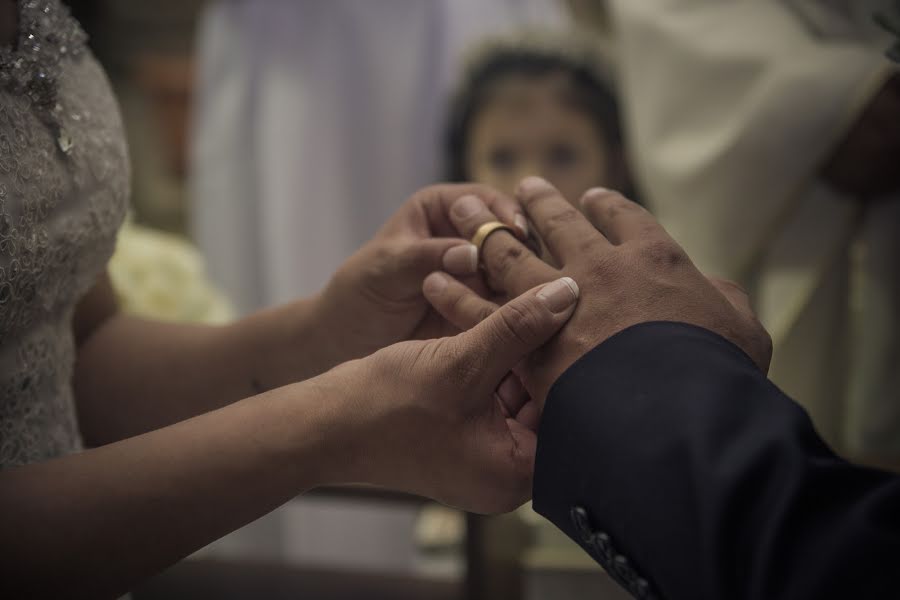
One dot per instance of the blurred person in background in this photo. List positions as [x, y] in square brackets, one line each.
[310, 117]
[156, 272]
[127, 444]
[765, 135]
[341, 100]
[537, 103]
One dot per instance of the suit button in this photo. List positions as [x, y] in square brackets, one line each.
[602, 545]
[641, 588]
[582, 523]
[623, 570]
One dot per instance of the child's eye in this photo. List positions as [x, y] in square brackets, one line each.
[502, 158]
[561, 156]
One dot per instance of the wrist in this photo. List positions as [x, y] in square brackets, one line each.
[310, 430]
[337, 328]
[342, 423]
[286, 344]
[324, 332]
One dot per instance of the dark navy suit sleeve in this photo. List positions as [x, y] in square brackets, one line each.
[685, 473]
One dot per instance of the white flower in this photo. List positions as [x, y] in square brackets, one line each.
[161, 276]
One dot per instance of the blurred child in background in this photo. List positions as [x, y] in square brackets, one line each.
[543, 104]
[537, 104]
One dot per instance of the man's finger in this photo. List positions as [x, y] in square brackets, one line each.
[519, 327]
[618, 218]
[511, 267]
[455, 302]
[565, 231]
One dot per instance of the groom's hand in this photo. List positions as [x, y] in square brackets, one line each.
[375, 299]
[628, 269]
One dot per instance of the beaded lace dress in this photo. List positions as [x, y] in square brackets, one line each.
[63, 193]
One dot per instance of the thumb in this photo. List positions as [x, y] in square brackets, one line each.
[521, 326]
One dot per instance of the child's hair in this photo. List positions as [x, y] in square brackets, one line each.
[530, 55]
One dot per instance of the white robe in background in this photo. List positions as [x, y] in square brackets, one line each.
[732, 108]
[315, 120]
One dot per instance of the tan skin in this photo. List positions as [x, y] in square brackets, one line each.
[628, 270]
[178, 371]
[179, 423]
[530, 126]
[165, 399]
[426, 417]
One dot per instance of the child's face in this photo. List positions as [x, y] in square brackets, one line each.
[529, 126]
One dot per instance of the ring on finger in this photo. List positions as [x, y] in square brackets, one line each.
[485, 231]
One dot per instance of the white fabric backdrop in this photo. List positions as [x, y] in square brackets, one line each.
[732, 108]
[315, 119]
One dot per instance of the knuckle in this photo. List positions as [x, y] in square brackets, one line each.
[729, 283]
[560, 223]
[502, 261]
[589, 247]
[468, 309]
[382, 253]
[492, 198]
[663, 253]
[534, 198]
[453, 301]
[605, 266]
[429, 192]
[483, 312]
[564, 218]
[520, 323]
[462, 367]
[391, 256]
[615, 205]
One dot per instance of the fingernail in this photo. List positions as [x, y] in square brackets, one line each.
[435, 284]
[522, 224]
[467, 206]
[559, 295]
[594, 193]
[533, 184]
[461, 260]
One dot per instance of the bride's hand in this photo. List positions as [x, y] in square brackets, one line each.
[375, 299]
[441, 418]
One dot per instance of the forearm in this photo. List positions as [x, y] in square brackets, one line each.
[96, 523]
[134, 376]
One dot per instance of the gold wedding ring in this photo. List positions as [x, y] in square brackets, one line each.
[483, 232]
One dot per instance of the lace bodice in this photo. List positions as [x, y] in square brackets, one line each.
[63, 190]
